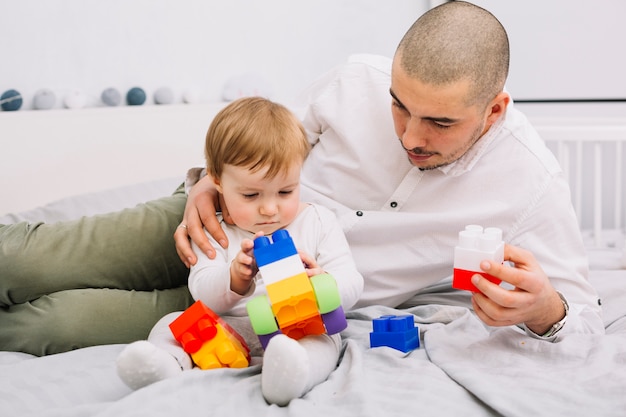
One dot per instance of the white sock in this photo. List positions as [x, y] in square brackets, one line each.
[293, 367]
[142, 363]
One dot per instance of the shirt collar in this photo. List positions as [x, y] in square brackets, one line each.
[467, 161]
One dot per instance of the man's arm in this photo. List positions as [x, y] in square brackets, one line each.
[200, 209]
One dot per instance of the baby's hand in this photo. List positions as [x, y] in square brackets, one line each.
[243, 268]
[310, 265]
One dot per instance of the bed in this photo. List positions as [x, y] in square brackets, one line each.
[461, 368]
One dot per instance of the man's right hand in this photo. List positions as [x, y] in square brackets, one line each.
[202, 204]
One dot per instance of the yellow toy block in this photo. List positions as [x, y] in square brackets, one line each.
[292, 300]
[223, 351]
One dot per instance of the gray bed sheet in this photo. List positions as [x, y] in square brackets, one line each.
[462, 367]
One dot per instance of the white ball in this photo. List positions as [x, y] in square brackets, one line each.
[246, 85]
[190, 97]
[44, 99]
[75, 100]
[164, 95]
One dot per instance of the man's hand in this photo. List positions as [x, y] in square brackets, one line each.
[533, 301]
[199, 213]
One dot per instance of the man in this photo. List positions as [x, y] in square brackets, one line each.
[464, 156]
[452, 151]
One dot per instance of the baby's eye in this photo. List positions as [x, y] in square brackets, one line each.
[286, 192]
[250, 196]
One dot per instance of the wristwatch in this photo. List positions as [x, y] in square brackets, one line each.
[556, 327]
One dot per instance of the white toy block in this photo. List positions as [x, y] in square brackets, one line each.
[281, 269]
[476, 245]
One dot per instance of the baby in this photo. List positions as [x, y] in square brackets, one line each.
[254, 150]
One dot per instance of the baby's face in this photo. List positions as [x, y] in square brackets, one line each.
[257, 203]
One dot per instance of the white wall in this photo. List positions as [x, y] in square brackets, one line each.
[188, 45]
[564, 49]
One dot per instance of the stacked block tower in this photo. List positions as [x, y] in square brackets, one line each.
[295, 305]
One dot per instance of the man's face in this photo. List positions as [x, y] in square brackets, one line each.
[434, 123]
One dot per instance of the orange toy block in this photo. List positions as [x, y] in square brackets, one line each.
[305, 327]
[292, 300]
[210, 341]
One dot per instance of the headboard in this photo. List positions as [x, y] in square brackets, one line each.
[591, 152]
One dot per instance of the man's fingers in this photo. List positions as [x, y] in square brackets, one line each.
[183, 248]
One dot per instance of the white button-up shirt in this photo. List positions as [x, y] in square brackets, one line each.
[403, 223]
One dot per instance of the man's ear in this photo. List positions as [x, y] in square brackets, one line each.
[497, 107]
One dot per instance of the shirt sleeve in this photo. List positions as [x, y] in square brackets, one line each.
[551, 232]
[193, 176]
[209, 280]
[335, 258]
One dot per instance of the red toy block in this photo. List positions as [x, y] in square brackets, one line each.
[210, 341]
[476, 245]
[305, 327]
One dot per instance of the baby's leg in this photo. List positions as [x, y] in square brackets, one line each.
[147, 361]
[291, 367]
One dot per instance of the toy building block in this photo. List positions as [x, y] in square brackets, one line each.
[295, 305]
[476, 245]
[210, 341]
[398, 332]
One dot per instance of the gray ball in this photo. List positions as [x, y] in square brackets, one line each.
[44, 99]
[111, 97]
[164, 95]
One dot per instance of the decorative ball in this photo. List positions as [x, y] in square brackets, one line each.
[75, 100]
[246, 85]
[44, 99]
[135, 96]
[190, 97]
[111, 97]
[164, 95]
[11, 100]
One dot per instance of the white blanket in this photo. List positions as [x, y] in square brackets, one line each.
[461, 368]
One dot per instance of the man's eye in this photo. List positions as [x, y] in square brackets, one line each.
[442, 126]
[398, 106]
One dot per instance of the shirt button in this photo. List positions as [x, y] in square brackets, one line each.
[359, 213]
[394, 204]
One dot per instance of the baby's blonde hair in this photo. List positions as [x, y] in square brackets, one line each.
[255, 133]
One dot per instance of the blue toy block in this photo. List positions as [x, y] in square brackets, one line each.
[398, 332]
[266, 252]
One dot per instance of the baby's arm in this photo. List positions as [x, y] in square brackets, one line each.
[335, 258]
[210, 279]
[243, 268]
[310, 264]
